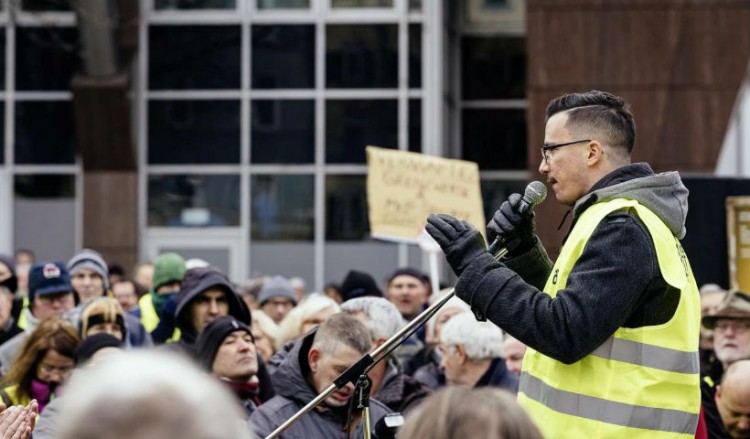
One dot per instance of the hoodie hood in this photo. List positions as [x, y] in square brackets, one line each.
[664, 194]
[289, 377]
[196, 281]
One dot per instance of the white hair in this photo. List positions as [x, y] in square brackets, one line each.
[481, 340]
[149, 395]
[290, 327]
[453, 302]
[383, 318]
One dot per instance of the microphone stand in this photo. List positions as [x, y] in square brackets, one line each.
[365, 363]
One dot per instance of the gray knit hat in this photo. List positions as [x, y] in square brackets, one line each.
[277, 286]
[90, 259]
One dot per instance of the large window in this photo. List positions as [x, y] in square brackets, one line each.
[39, 54]
[489, 122]
[257, 115]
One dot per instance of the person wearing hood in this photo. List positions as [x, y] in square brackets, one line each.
[205, 295]
[619, 309]
[89, 275]
[8, 285]
[309, 368]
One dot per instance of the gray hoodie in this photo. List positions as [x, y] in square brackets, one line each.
[615, 283]
[293, 393]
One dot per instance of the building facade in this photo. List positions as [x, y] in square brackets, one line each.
[246, 120]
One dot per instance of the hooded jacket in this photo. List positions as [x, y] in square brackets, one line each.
[615, 283]
[196, 281]
[294, 392]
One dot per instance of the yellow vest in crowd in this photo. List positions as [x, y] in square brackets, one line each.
[150, 318]
[642, 382]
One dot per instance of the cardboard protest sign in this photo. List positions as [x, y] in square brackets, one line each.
[738, 230]
[404, 187]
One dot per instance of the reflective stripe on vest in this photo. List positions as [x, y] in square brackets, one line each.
[656, 357]
[641, 382]
[598, 409]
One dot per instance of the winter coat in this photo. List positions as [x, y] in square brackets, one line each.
[293, 392]
[615, 283]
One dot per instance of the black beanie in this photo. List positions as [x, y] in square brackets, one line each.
[213, 336]
[408, 271]
[359, 284]
[90, 345]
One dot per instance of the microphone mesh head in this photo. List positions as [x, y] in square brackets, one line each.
[535, 192]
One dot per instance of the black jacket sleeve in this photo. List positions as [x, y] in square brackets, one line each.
[614, 277]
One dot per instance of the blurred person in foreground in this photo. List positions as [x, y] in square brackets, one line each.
[149, 395]
[461, 412]
[619, 309]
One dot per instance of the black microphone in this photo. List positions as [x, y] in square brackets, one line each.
[534, 194]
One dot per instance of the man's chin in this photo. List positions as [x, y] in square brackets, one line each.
[336, 403]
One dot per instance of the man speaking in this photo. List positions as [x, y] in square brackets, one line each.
[613, 326]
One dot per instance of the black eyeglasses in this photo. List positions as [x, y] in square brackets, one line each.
[546, 148]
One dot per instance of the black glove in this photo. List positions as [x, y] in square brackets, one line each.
[460, 241]
[515, 229]
[167, 322]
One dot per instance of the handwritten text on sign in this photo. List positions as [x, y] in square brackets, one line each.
[404, 187]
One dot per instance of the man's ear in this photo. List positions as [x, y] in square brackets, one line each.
[461, 352]
[596, 151]
[313, 356]
[717, 395]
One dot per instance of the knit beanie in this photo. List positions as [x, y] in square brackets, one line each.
[168, 268]
[277, 286]
[359, 284]
[91, 345]
[92, 260]
[407, 271]
[213, 336]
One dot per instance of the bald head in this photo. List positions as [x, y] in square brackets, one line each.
[733, 399]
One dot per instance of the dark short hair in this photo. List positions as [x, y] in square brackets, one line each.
[604, 112]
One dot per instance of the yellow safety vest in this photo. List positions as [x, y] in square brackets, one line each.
[22, 317]
[11, 396]
[150, 318]
[642, 382]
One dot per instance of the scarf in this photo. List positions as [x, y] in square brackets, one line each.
[42, 392]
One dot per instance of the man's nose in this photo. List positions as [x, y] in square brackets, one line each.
[543, 167]
[213, 307]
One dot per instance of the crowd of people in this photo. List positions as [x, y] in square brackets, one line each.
[269, 344]
[273, 347]
[613, 339]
